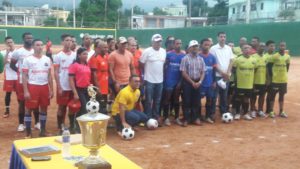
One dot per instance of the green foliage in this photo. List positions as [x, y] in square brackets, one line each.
[91, 13]
[199, 7]
[159, 11]
[219, 13]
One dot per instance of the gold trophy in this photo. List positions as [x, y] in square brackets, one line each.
[93, 130]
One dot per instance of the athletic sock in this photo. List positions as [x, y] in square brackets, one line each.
[43, 119]
[59, 121]
[36, 116]
[28, 119]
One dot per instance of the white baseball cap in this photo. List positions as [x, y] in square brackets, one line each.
[156, 38]
[122, 40]
[193, 43]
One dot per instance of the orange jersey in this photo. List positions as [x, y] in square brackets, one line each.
[136, 62]
[100, 64]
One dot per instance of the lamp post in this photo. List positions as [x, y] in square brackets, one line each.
[74, 14]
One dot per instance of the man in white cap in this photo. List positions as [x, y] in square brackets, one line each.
[120, 65]
[152, 61]
[192, 68]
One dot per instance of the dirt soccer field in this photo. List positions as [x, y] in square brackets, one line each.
[259, 144]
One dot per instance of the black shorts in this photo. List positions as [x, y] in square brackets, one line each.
[279, 87]
[259, 89]
[244, 92]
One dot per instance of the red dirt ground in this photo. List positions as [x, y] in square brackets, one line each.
[262, 143]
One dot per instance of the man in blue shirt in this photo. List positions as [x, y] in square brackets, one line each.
[209, 83]
[172, 82]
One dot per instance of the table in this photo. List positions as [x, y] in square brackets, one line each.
[19, 161]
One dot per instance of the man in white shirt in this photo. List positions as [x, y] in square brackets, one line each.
[87, 42]
[38, 87]
[10, 75]
[61, 63]
[224, 57]
[16, 64]
[152, 61]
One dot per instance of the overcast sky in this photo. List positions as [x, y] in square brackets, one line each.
[147, 5]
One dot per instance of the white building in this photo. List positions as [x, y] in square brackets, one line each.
[261, 11]
[176, 10]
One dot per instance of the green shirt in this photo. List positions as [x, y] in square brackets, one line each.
[237, 51]
[260, 75]
[279, 69]
[245, 68]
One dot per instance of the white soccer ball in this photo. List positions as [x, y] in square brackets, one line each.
[227, 117]
[127, 133]
[92, 106]
[152, 124]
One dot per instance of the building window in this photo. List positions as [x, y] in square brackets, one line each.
[233, 10]
[244, 8]
[253, 7]
[262, 6]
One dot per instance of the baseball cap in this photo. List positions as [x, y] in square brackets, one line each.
[193, 43]
[122, 40]
[156, 37]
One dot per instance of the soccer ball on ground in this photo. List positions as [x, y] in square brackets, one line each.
[152, 124]
[127, 133]
[227, 117]
[92, 106]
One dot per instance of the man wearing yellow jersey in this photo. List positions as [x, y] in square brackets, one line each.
[123, 109]
[244, 68]
[238, 50]
[260, 78]
[270, 52]
[278, 66]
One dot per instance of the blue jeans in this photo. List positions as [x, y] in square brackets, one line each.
[153, 92]
[191, 102]
[83, 98]
[132, 117]
[222, 94]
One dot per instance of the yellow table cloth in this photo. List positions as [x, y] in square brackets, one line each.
[117, 160]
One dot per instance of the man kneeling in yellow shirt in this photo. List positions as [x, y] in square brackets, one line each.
[123, 109]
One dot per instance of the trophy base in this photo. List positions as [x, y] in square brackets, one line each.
[103, 165]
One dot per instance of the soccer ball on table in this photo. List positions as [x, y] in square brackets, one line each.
[127, 133]
[92, 106]
[227, 117]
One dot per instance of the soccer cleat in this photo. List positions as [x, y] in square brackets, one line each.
[262, 114]
[178, 121]
[37, 126]
[209, 120]
[283, 114]
[247, 117]
[253, 114]
[21, 127]
[167, 122]
[237, 117]
[272, 114]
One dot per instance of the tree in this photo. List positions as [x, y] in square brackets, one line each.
[199, 7]
[219, 13]
[91, 13]
[159, 11]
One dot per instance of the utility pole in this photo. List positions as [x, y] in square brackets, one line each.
[105, 12]
[248, 9]
[74, 14]
[190, 13]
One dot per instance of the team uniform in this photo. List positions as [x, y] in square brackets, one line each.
[19, 55]
[172, 77]
[245, 69]
[207, 90]
[63, 61]
[100, 65]
[10, 76]
[260, 76]
[38, 70]
[279, 75]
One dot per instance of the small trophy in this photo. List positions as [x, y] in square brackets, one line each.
[93, 130]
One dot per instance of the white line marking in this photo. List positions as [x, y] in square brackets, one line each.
[165, 146]
[283, 135]
[238, 139]
[139, 148]
[188, 143]
[215, 141]
[261, 137]
[297, 104]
